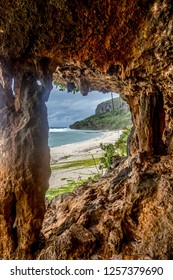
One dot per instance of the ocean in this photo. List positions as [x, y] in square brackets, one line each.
[63, 135]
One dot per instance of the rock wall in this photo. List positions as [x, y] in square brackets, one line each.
[24, 161]
[119, 46]
[126, 215]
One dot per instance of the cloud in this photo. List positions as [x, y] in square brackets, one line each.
[65, 108]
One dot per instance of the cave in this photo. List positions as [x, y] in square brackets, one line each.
[119, 46]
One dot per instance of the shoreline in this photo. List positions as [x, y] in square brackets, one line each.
[87, 149]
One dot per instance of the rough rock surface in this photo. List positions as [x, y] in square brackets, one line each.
[126, 215]
[109, 105]
[121, 46]
[24, 163]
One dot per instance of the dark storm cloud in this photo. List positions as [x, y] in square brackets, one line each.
[65, 108]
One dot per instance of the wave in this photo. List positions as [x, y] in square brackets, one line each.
[59, 129]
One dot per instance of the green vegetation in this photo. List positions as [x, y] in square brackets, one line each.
[77, 163]
[116, 150]
[52, 192]
[62, 87]
[121, 144]
[117, 119]
[107, 158]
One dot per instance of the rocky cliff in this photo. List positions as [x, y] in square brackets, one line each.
[110, 115]
[110, 105]
[110, 46]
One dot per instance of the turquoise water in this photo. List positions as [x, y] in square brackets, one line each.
[63, 136]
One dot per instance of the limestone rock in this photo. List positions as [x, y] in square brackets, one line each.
[24, 164]
[109, 46]
[129, 218]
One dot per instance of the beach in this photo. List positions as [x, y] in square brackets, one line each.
[63, 157]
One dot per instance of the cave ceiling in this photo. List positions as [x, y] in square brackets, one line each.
[91, 45]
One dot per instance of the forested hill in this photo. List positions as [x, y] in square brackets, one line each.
[112, 114]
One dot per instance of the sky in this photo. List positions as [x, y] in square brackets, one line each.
[65, 108]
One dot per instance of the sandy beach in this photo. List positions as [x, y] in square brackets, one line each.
[70, 153]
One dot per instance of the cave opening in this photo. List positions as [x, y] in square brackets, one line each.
[75, 119]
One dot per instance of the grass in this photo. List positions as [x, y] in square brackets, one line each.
[76, 163]
[56, 191]
[52, 192]
[71, 185]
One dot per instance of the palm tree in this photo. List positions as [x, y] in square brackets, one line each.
[113, 108]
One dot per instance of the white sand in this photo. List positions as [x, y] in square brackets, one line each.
[77, 151]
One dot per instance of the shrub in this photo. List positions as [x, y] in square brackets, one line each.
[114, 150]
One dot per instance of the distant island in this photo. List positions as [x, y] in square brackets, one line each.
[112, 114]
